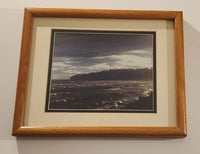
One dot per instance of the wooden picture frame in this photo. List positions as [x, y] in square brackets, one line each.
[20, 129]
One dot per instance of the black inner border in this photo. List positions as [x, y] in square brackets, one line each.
[99, 31]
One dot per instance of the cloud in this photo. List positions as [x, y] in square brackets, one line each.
[84, 53]
[93, 45]
[73, 66]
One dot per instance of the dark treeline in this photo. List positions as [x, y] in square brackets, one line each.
[116, 74]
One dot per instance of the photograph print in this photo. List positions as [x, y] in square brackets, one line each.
[101, 71]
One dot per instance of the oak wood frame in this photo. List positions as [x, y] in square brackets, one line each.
[18, 123]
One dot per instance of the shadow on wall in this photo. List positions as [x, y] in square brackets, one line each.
[10, 37]
[192, 76]
[63, 145]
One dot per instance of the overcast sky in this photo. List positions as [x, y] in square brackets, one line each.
[78, 53]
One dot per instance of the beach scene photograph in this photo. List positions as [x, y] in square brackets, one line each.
[101, 71]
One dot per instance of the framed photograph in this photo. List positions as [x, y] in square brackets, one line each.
[101, 73]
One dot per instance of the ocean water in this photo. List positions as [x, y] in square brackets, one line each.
[101, 95]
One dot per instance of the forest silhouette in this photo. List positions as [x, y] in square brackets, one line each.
[116, 74]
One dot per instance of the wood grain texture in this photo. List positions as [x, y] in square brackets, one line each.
[22, 82]
[111, 14]
[180, 74]
[30, 13]
[101, 131]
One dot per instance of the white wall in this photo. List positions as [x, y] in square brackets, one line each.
[11, 18]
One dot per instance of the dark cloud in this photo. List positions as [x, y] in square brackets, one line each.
[84, 53]
[93, 45]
